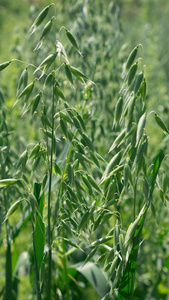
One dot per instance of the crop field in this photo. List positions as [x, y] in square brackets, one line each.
[84, 150]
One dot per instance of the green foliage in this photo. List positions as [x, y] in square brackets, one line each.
[82, 180]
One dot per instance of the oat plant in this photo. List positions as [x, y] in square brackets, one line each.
[56, 114]
[74, 198]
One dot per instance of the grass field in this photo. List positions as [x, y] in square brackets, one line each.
[84, 150]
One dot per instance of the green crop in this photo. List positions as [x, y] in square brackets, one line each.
[78, 177]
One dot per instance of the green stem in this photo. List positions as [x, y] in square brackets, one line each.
[8, 287]
[65, 266]
[8, 269]
[49, 203]
[38, 293]
[135, 199]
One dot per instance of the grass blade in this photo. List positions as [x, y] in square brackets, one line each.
[127, 282]
[157, 164]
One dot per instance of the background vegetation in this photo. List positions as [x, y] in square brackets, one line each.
[106, 32]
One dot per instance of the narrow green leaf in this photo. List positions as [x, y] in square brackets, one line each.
[109, 259]
[143, 89]
[87, 183]
[156, 167]
[140, 128]
[23, 80]
[47, 62]
[63, 126]
[78, 74]
[115, 171]
[138, 82]
[127, 174]
[111, 191]
[68, 73]
[132, 73]
[47, 29]
[66, 118]
[101, 241]
[161, 124]
[67, 227]
[39, 19]
[72, 194]
[36, 163]
[113, 162]
[22, 159]
[94, 159]
[82, 123]
[131, 57]
[165, 182]
[118, 110]
[33, 204]
[4, 65]
[70, 173]
[72, 39]
[77, 123]
[87, 142]
[57, 170]
[45, 121]
[90, 255]
[27, 91]
[72, 243]
[35, 102]
[7, 182]
[121, 245]
[93, 183]
[12, 209]
[48, 79]
[116, 236]
[84, 220]
[126, 285]
[39, 241]
[59, 93]
[114, 265]
[118, 140]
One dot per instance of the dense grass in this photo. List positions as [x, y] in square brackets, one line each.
[103, 195]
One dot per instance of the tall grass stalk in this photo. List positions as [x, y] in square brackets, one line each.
[37, 287]
[65, 266]
[49, 196]
[8, 288]
[135, 199]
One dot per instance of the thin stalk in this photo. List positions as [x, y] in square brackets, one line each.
[49, 203]
[8, 271]
[65, 266]
[8, 287]
[135, 199]
[38, 293]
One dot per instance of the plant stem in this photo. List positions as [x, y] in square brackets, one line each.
[38, 293]
[49, 203]
[65, 266]
[8, 288]
[8, 271]
[135, 198]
